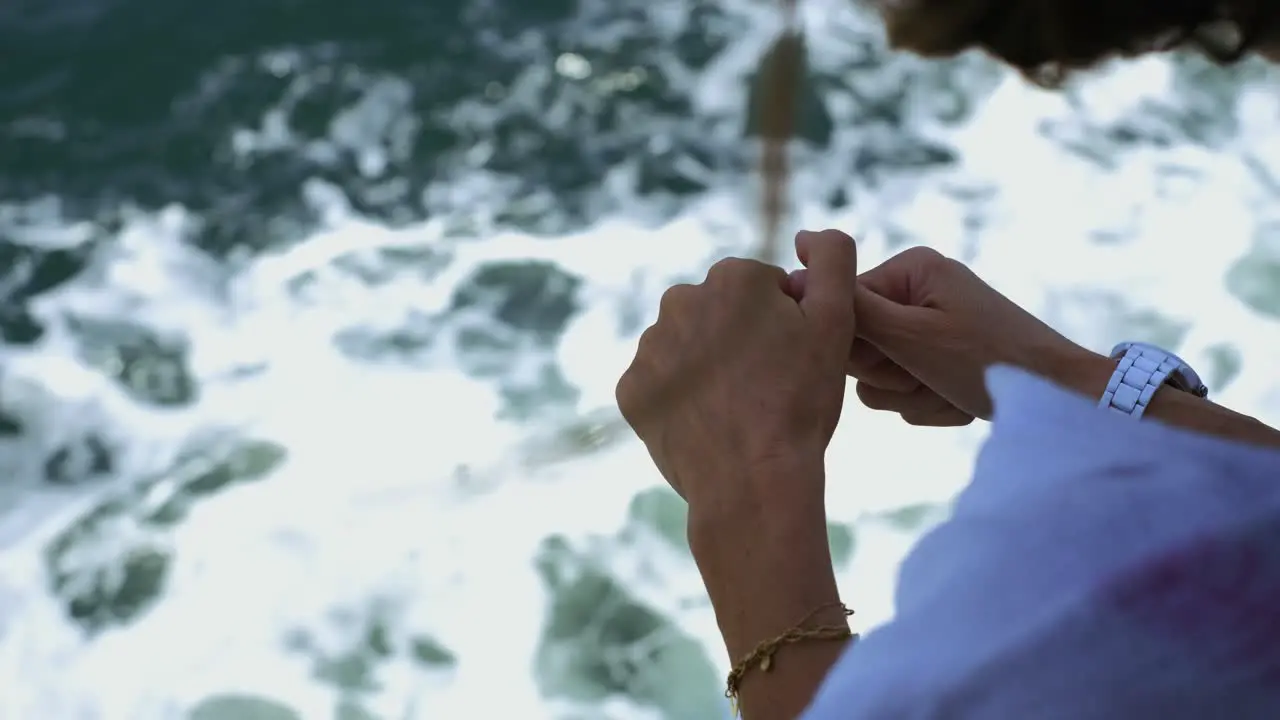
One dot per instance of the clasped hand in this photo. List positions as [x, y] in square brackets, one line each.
[741, 380]
[738, 376]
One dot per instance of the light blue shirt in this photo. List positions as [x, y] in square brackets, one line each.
[1094, 568]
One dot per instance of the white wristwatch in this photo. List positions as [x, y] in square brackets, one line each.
[1143, 370]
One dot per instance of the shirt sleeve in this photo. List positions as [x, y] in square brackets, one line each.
[1072, 573]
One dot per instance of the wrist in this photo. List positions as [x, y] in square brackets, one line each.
[764, 554]
[769, 589]
[1088, 373]
[772, 502]
[1080, 370]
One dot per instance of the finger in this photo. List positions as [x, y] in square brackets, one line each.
[893, 327]
[780, 277]
[949, 416]
[920, 407]
[879, 398]
[869, 365]
[863, 356]
[896, 293]
[890, 279]
[831, 258]
[918, 402]
[902, 278]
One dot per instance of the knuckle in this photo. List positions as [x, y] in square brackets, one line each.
[727, 268]
[645, 347]
[738, 269]
[624, 393]
[925, 256]
[673, 299]
[631, 388]
[933, 263]
[622, 390]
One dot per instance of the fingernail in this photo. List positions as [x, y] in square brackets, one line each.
[796, 282]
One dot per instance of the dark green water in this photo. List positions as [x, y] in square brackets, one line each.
[135, 100]
[107, 104]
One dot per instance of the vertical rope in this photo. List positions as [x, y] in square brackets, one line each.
[779, 80]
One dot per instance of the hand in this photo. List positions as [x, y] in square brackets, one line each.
[736, 391]
[929, 328]
[736, 379]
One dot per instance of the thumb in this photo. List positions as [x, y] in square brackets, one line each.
[831, 258]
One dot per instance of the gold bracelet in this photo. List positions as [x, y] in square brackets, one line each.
[762, 655]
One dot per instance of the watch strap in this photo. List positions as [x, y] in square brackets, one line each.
[1141, 372]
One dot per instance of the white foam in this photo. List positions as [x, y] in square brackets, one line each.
[369, 502]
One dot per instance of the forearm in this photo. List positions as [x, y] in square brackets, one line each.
[766, 570]
[1088, 374]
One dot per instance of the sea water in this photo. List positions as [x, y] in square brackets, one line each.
[313, 311]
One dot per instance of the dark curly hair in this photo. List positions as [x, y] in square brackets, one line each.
[1047, 39]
